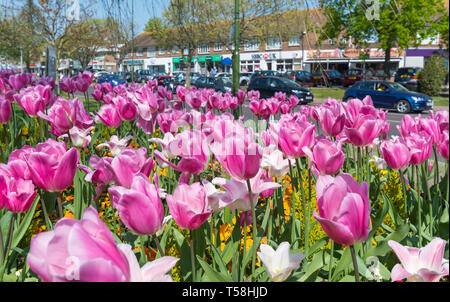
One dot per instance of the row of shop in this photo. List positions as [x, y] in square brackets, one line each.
[314, 60]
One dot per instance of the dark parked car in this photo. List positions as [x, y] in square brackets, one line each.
[408, 77]
[265, 73]
[205, 82]
[144, 76]
[352, 76]
[302, 77]
[181, 78]
[327, 78]
[113, 79]
[162, 80]
[224, 85]
[268, 86]
[390, 95]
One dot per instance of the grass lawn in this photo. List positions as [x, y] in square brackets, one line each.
[441, 101]
[324, 93]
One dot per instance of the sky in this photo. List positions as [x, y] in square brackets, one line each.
[143, 11]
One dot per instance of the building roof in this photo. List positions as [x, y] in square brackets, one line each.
[144, 40]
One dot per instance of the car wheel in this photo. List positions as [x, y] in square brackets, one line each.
[403, 106]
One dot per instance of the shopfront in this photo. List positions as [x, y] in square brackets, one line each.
[181, 65]
[133, 65]
[207, 63]
[280, 61]
[343, 60]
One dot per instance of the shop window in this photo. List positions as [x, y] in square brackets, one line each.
[273, 43]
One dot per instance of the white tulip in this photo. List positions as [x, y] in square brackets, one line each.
[279, 264]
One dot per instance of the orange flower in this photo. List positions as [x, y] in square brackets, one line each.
[70, 198]
[69, 214]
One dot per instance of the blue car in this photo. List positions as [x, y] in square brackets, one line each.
[112, 78]
[390, 95]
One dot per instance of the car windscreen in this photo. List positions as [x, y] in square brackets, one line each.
[407, 71]
[291, 83]
[399, 87]
[354, 72]
[227, 82]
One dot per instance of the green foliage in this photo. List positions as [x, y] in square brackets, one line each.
[433, 75]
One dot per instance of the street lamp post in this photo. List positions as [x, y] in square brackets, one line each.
[132, 41]
[236, 47]
[303, 50]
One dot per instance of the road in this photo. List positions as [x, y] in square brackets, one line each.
[393, 117]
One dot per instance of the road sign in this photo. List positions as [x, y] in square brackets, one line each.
[51, 62]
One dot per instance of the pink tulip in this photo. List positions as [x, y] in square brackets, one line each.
[51, 166]
[344, 208]
[396, 153]
[237, 190]
[140, 207]
[17, 162]
[181, 93]
[189, 206]
[64, 114]
[97, 94]
[17, 82]
[442, 118]
[420, 265]
[326, 156]
[16, 194]
[80, 84]
[293, 135]
[253, 94]
[5, 110]
[243, 216]
[443, 145]
[67, 85]
[85, 250]
[100, 176]
[420, 145]
[364, 130]
[126, 108]
[240, 94]
[431, 127]
[171, 120]
[332, 119]
[31, 101]
[193, 99]
[129, 163]
[408, 125]
[109, 116]
[191, 146]
[238, 153]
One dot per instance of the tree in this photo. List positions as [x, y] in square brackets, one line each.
[84, 39]
[17, 35]
[53, 26]
[400, 23]
[433, 75]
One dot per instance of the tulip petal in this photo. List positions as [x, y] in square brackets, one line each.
[155, 270]
[66, 170]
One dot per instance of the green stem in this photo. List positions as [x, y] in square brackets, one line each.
[48, 223]
[254, 226]
[355, 263]
[192, 255]
[419, 208]
[302, 191]
[142, 246]
[8, 247]
[158, 245]
[405, 190]
[331, 261]
[437, 170]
